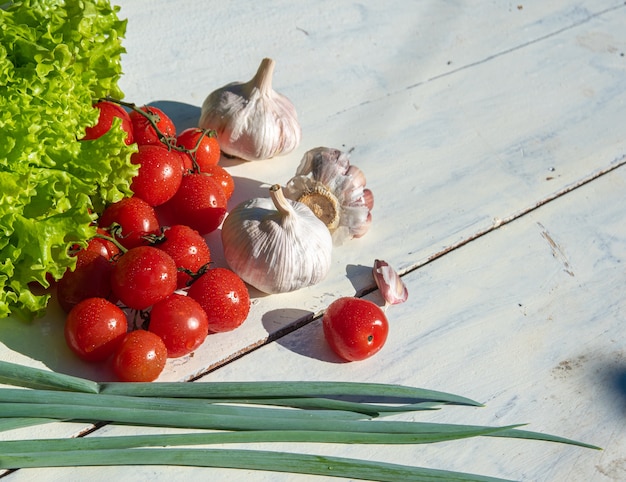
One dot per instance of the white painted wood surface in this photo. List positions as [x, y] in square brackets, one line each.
[468, 118]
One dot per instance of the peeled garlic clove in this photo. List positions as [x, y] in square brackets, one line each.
[275, 244]
[389, 283]
[252, 121]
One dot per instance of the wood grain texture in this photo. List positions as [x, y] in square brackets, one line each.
[518, 329]
[475, 124]
[513, 320]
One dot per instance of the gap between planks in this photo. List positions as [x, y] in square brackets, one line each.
[494, 56]
[617, 163]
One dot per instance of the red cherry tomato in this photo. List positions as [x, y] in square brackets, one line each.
[140, 357]
[223, 178]
[91, 278]
[224, 297]
[188, 250]
[160, 173]
[136, 218]
[94, 329]
[199, 203]
[203, 144]
[108, 111]
[144, 133]
[181, 323]
[187, 163]
[143, 276]
[355, 328]
[102, 246]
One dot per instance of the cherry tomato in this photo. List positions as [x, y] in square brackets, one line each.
[102, 246]
[90, 278]
[187, 163]
[203, 144]
[188, 250]
[144, 133]
[140, 357]
[181, 323]
[136, 218]
[224, 297]
[160, 173]
[199, 203]
[143, 276]
[223, 178]
[108, 111]
[355, 328]
[94, 329]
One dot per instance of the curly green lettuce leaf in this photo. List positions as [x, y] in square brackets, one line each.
[56, 57]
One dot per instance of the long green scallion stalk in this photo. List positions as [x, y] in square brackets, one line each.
[231, 412]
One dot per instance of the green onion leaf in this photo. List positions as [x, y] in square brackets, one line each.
[23, 376]
[253, 436]
[241, 459]
[178, 419]
[279, 389]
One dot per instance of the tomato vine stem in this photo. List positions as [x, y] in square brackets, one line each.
[170, 142]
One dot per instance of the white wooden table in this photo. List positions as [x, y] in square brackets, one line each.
[493, 135]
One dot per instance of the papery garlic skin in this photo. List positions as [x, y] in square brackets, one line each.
[347, 212]
[252, 121]
[276, 245]
[391, 286]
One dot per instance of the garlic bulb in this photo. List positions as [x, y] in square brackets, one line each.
[275, 244]
[252, 121]
[335, 191]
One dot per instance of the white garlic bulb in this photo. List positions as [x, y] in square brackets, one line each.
[275, 244]
[252, 121]
[335, 191]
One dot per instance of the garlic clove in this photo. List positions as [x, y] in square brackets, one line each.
[334, 190]
[368, 199]
[275, 244]
[252, 120]
[389, 283]
[324, 164]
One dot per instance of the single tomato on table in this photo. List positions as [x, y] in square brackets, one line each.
[355, 328]
[160, 173]
[144, 132]
[140, 357]
[103, 246]
[199, 203]
[135, 217]
[202, 145]
[222, 177]
[91, 278]
[181, 323]
[224, 297]
[95, 328]
[143, 276]
[187, 248]
[107, 112]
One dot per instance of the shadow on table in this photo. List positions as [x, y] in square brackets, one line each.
[362, 281]
[183, 115]
[618, 379]
[299, 332]
[608, 376]
[42, 340]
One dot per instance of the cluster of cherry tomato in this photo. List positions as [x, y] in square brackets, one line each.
[143, 290]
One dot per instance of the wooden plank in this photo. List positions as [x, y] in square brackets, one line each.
[468, 158]
[527, 319]
[450, 150]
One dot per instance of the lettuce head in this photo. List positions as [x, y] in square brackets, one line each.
[56, 58]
